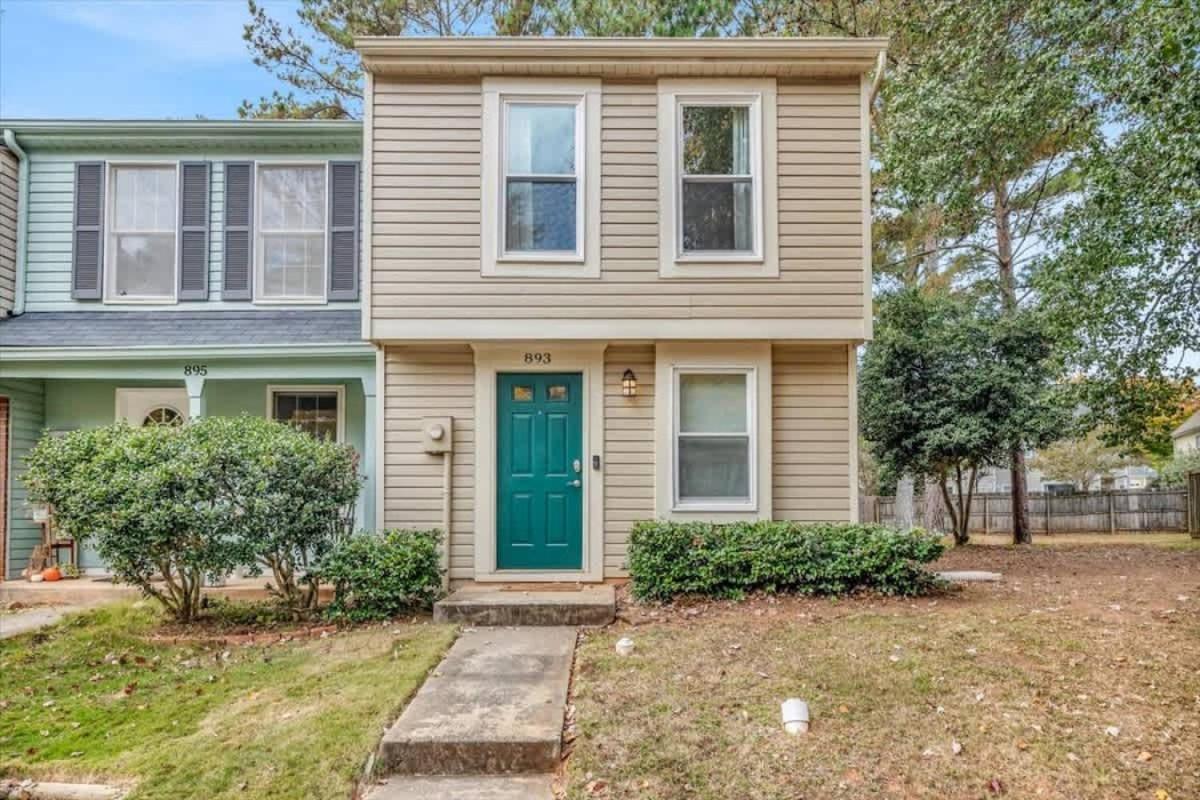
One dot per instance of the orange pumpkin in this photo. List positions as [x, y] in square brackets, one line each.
[52, 574]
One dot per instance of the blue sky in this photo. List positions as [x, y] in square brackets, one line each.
[128, 58]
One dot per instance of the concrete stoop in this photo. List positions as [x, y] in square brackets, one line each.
[478, 604]
[493, 707]
[469, 787]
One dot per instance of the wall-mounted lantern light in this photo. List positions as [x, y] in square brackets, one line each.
[629, 384]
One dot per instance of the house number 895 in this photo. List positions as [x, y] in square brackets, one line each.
[195, 369]
[537, 358]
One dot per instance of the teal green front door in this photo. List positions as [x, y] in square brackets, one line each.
[539, 463]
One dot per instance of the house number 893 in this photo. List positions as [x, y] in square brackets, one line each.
[537, 358]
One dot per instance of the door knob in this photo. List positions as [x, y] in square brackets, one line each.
[576, 483]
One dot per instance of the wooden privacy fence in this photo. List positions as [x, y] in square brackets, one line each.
[1111, 512]
[1193, 505]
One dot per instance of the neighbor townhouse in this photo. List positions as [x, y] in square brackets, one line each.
[156, 271]
[613, 280]
[603, 281]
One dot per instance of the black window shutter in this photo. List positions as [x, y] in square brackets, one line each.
[238, 245]
[343, 230]
[87, 247]
[193, 230]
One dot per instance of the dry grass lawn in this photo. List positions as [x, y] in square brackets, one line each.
[96, 698]
[1076, 677]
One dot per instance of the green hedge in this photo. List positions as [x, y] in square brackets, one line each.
[667, 559]
[377, 576]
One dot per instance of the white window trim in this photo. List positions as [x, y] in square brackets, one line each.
[110, 262]
[688, 356]
[260, 265]
[585, 261]
[751, 504]
[760, 96]
[299, 388]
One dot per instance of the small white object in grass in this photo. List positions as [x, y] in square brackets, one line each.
[1113, 730]
[795, 716]
[624, 646]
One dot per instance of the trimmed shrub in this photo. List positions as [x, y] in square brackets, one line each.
[152, 500]
[667, 559]
[379, 575]
[182, 504]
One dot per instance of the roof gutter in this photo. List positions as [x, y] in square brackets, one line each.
[10, 141]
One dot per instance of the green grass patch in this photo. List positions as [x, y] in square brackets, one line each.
[95, 698]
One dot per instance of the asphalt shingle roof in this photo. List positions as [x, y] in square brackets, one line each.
[180, 328]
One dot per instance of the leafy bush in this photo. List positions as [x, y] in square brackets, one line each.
[379, 575]
[296, 494]
[194, 502]
[151, 500]
[727, 560]
[1174, 473]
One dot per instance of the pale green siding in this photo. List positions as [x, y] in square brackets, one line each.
[26, 414]
[51, 191]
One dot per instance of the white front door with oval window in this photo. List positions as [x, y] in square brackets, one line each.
[163, 406]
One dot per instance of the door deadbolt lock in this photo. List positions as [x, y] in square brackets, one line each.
[577, 466]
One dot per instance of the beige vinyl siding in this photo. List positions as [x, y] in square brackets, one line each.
[426, 214]
[628, 450]
[8, 230]
[425, 382]
[811, 433]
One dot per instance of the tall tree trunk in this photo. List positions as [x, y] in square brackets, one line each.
[1008, 296]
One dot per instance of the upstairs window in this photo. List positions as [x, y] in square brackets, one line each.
[541, 202]
[541, 181]
[141, 241]
[717, 186]
[716, 179]
[291, 233]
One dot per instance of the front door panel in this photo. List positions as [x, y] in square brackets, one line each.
[539, 464]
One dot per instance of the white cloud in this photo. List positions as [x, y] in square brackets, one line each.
[192, 31]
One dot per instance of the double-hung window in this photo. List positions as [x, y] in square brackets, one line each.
[541, 178]
[541, 144]
[714, 439]
[141, 241]
[291, 233]
[717, 186]
[716, 179]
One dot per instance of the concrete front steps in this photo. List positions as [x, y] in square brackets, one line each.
[560, 604]
[487, 723]
[471, 787]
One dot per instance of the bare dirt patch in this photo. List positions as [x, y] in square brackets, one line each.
[1077, 676]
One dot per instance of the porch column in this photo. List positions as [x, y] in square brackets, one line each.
[365, 511]
[195, 391]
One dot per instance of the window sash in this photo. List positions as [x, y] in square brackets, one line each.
[574, 177]
[748, 435]
[682, 176]
[263, 233]
[166, 231]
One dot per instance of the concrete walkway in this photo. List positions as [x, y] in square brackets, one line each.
[487, 724]
[33, 619]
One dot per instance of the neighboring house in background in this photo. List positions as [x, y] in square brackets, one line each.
[999, 479]
[167, 270]
[634, 272]
[1186, 437]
